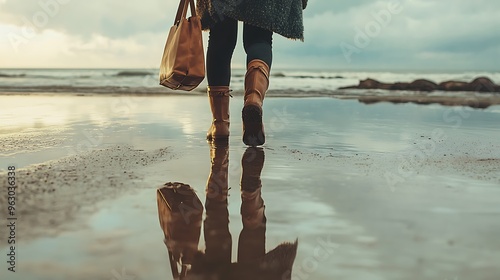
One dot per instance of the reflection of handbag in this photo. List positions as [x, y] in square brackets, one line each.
[180, 212]
[183, 63]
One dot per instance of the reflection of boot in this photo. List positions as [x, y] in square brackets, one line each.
[253, 262]
[219, 105]
[252, 241]
[216, 225]
[256, 85]
[217, 186]
[278, 263]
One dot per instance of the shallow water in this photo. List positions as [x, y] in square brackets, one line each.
[146, 80]
[370, 192]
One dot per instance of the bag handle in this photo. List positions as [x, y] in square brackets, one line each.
[182, 10]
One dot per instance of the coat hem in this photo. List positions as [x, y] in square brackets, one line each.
[290, 36]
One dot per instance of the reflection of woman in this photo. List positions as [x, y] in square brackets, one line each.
[253, 262]
[261, 19]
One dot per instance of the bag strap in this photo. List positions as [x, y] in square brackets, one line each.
[173, 265]
[193, 8]
[182, 10]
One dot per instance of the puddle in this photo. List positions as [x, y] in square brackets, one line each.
[324, 182]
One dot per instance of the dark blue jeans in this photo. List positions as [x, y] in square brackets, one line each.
[222, 41]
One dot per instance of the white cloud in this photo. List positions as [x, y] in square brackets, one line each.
[425, 35]
[52, 48]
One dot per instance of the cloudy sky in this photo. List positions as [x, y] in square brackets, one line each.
[339, 34]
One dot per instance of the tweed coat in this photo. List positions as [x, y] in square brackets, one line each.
[280, 16]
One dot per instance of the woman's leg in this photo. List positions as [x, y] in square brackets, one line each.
[258, 46]
[221, 44]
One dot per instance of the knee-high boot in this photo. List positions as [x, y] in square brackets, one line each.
[216, 230]
[252, 240]
[256, 85]
[218, 97]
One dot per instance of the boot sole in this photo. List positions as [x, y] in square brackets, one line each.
[253, 134]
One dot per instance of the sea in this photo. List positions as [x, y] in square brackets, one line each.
[136, 81]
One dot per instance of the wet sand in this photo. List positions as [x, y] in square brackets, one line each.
[378, 191]
[480, 100]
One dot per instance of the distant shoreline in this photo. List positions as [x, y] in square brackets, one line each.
[468, 99]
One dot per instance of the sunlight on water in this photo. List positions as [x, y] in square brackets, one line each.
[324, 182]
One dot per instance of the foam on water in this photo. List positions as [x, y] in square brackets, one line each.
[110, 80]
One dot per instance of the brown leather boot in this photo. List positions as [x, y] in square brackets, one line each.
[252, 204]
[216, 230]
[252, 239]
[256, 85]
[218, 97]
[217, 184]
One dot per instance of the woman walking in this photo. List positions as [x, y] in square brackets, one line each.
[261, 19]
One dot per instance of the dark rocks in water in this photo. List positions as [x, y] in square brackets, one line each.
[481, 84]
[372, 84]
[400, 86]
[423, 85]
[453, 86]
[475, 102]
[369, 83]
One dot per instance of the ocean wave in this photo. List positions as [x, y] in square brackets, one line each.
[133, 74]
[298, 76]
[12, 75]
[84, 90]
[44, 76]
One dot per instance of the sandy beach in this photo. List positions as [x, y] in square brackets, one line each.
[382, 140]
[379, 191]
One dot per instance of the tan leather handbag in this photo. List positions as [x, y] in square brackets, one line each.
[183, 63]
[180, 212]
